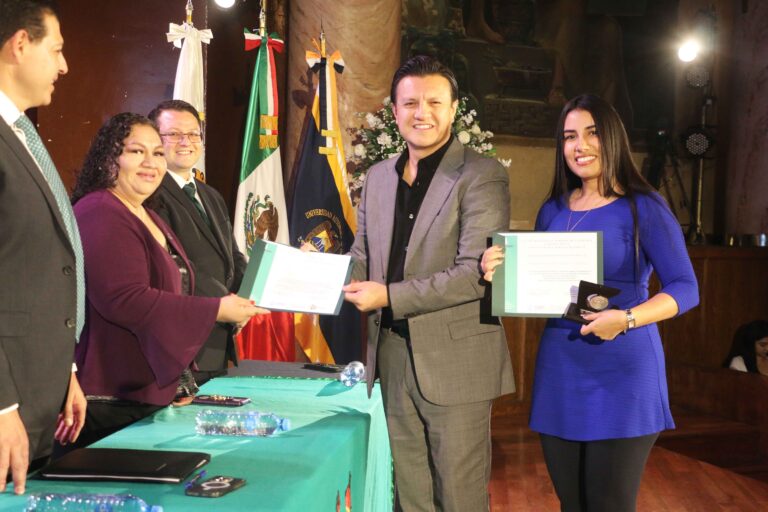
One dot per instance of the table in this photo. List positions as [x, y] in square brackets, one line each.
[338, 436]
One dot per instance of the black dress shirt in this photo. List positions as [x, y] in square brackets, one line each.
[407, 204]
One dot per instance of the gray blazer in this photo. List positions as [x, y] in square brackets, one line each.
[459, 356]
[37, 295]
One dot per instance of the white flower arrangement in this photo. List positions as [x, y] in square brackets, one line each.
[379, 139]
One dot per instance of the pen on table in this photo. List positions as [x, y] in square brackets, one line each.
[195, 479]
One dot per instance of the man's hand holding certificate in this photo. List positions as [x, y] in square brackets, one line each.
[282, 278]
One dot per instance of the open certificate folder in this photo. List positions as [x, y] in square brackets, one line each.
[541, 272]
[282, 278]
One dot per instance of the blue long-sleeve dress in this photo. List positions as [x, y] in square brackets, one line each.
[585, 388]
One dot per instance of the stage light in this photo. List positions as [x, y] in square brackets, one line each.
[699, 38]
[225, 4]
[696, 75]
[697, 141]
[699, 46]
[689, 50]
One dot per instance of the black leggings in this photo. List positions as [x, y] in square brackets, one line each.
[597, 476]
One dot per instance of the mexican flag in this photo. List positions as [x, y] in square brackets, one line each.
[260, 211]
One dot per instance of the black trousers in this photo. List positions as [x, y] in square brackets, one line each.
[597, 476]
[203, 376]
[103, 419]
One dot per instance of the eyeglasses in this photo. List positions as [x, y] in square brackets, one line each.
[178, 137]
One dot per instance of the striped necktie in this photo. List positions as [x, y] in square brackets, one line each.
[36, 147]
[189, 189]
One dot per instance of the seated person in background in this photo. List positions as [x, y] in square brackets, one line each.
[143, 327]
[749, 352]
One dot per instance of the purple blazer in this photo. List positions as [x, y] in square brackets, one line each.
[140, 332]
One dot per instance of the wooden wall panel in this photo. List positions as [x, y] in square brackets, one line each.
[747, 212]
[721, 392]
[733, 286]
[523, 336]
[119, 60]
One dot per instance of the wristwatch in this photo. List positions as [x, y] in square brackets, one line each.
[630, 320]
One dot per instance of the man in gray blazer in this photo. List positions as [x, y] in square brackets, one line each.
[422, 227]
[198, 215]
[41, 285]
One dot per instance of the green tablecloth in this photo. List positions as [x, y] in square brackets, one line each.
[337, 433]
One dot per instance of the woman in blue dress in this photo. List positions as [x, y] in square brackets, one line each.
[600, 390]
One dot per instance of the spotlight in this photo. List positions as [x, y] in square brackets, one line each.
[697, 141]
[700, 39]
[696, 76]
[689, 50]
[225, 4]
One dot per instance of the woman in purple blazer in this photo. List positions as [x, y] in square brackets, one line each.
[143, 326]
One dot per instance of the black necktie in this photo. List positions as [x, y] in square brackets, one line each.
[189, 189]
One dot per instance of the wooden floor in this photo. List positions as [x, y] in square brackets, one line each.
[672, 482]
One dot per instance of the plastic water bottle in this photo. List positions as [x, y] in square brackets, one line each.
[239, 423]
[82, 502]
[353, 373]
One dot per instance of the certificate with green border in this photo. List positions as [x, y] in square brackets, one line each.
[283, 278]
[541, 271]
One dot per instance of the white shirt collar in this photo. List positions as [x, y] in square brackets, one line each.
[10, 113]
[181, 181]
[8, 110]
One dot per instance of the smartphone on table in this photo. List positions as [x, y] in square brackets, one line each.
[215, 487]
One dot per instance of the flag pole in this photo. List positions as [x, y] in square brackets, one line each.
[189, 8]
[263, 19]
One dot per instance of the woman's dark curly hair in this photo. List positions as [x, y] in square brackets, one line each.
[100, 167]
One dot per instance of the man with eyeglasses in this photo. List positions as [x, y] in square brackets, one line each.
[198, 215]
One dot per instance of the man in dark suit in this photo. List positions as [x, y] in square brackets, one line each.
[198, 215]
[423, 221]
[41, 291]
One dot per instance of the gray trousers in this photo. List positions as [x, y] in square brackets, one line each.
[442, 454]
